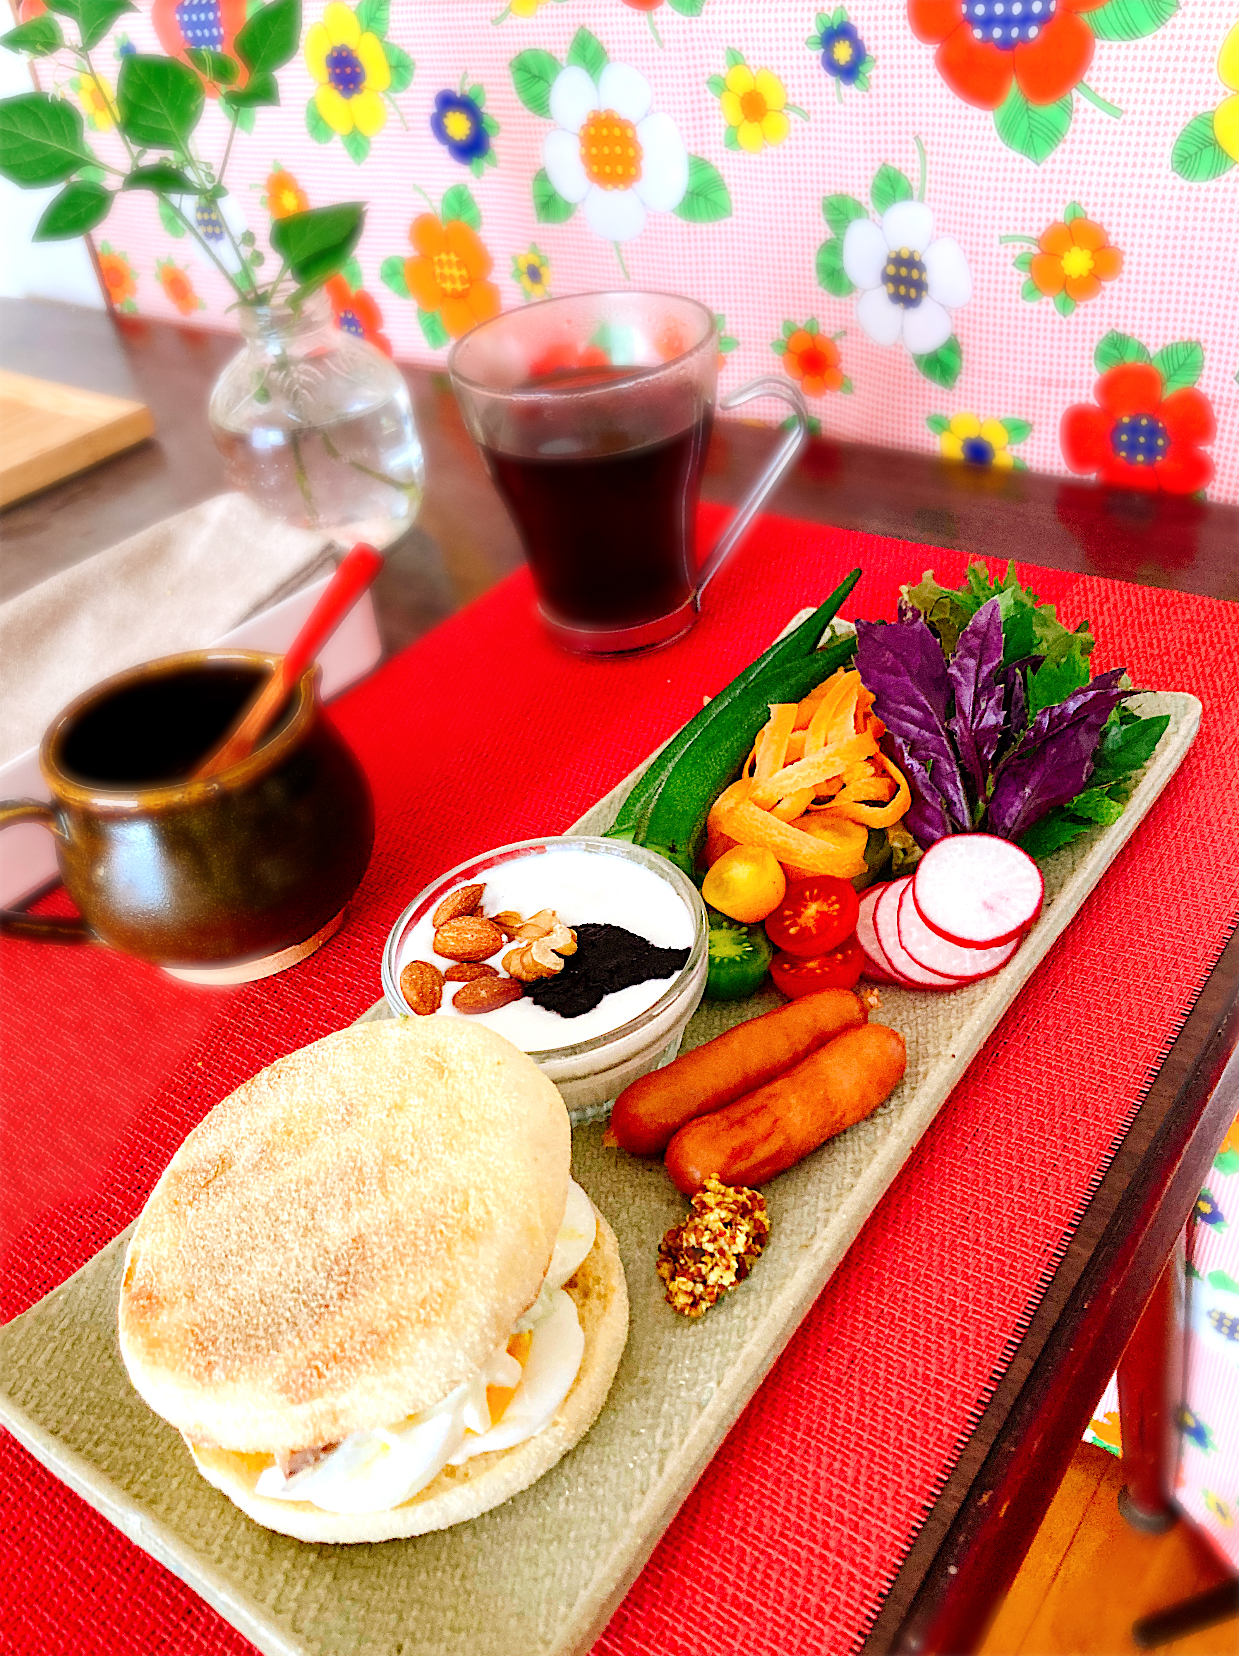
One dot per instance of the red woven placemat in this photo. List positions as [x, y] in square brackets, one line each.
[483, 733]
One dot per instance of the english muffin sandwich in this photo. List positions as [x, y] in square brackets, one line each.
[366, 1290]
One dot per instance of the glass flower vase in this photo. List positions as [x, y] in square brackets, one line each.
[316, 426]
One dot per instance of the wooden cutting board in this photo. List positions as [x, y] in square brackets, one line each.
[49, 432]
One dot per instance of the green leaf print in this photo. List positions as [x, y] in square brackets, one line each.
[830, 272]
[943, 365]
[840, 210]
[1073, 210]
[374, 16]
[1130, 19]
[533, 73]
[706, 198]
[1064, 304]
[401, 66]
[357, 145]
[458, 203]
[1031, 292]
[1034, 131]
[588, 53]
[1017, 430]
[889, 186]
[315, 124]
[687, 8]
[1221, 1279]
[548, 205]
[432, 327]
[391, 274]
[169, 220]
[1197, 155]
[1117, 347]
[1180, 364]
[937, 423]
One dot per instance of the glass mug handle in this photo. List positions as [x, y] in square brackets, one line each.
[50, 928]
[769, 385]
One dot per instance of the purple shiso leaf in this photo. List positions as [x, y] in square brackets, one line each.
[979, 716]
[1053, 762]
[902, 664]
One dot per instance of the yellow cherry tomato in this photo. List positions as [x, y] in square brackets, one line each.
[746, 883]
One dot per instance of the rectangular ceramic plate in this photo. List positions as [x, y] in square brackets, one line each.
[545, 1571]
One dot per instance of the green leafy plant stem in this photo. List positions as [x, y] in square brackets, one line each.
[1030, 241]
[192, 161]
[1098, 101]
[619, 254]
[409, 488]
[923, 163]
[232, 132]
[658, 39]
[300, 473]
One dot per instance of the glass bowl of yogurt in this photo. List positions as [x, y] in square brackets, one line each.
[591, 1056]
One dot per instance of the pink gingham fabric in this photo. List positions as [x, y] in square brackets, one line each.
[1129, 158]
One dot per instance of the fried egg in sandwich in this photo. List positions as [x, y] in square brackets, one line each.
[366, 1290]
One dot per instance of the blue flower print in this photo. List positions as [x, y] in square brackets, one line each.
[1194, 1428]
[461, 125]
[841, 51]
[1208, 1211]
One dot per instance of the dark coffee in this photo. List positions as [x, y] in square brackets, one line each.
[606, 516]
[159, 729]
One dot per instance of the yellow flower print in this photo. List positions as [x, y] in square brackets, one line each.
[979, 442]
[755, 105]
[1226, 115]
[526, 8]
[352, 71]
[98, 101]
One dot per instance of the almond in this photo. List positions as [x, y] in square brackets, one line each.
[467, 971]
[464, 900]
[468, 938]
[421, 984]
[487, 994]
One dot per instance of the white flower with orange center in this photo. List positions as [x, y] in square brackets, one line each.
[609, 152]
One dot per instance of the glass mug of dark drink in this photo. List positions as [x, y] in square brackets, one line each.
[593, 415]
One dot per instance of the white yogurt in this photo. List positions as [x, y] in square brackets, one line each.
[582, 888]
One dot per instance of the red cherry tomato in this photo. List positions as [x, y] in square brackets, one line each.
[840, 969]
[815, 916]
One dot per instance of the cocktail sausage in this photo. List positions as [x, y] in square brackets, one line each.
[655, 1106]
[767, 1131]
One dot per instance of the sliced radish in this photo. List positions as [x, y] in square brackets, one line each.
[977, 891]
[886, 925]
[935, 954]
[877, 968]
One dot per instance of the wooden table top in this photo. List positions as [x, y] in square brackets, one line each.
[975, 1535]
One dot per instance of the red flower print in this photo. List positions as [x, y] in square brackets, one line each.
[813, 359]
[982, 46]
[356, 313]
[210, 24]
[1135, 438]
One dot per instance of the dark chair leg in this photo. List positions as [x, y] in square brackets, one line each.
[1150, 1377]
[1219, 1604]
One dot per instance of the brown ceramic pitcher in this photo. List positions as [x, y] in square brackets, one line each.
[224, 879]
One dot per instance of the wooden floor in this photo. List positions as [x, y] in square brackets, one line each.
[1089, 1575]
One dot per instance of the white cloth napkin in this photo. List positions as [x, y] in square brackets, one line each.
[179, 585]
